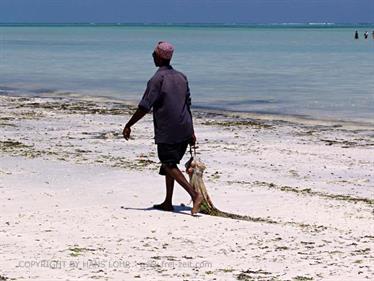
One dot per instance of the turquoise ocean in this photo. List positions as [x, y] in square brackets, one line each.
[310, 71]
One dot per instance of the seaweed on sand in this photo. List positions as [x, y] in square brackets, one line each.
[195, 169]
[10, 145]
[236, 123]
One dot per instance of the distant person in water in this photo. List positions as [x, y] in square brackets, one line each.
[372, 34]
[168, 95]
[366, 35]
[356, 35]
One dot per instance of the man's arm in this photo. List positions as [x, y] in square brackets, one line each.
[151, 95]
[139, 114]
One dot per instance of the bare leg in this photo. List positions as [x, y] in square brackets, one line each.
[169, 190]
[167, 204]
[177, 175]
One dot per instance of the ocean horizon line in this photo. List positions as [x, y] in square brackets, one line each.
[156, 24]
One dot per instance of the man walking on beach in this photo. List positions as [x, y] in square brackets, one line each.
[168, 95]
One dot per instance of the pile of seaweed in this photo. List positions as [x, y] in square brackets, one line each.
[195, 169]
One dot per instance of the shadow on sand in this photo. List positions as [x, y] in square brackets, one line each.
[179, 209]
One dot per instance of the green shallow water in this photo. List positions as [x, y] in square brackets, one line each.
[314, 71]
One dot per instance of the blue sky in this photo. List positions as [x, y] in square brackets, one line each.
[187, 11]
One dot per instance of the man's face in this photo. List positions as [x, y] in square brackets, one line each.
[156, 59]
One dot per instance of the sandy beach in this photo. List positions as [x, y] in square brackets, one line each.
[76, 197]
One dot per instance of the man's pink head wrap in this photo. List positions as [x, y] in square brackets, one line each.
[164, 50]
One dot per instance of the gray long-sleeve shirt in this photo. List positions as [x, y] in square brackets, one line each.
[169, 95]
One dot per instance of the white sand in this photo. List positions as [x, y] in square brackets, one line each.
[65, 172]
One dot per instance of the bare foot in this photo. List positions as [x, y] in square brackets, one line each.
[164, 207]
[196, 204]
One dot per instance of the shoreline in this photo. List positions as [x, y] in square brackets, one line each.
[204, 110]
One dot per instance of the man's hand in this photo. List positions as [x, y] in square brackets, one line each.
[193, 140]
[139, 114]
[126, 133]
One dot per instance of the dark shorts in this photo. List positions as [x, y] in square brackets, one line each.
[171, 154]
